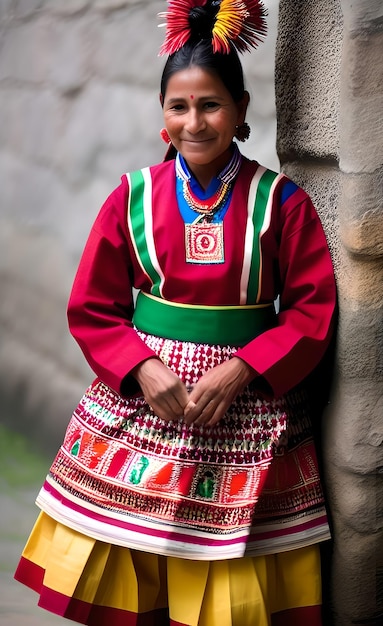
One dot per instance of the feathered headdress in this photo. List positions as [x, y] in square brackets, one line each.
[238, 23]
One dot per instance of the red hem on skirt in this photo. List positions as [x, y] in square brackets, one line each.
[301, 616]
[30, 574]
[96, 615]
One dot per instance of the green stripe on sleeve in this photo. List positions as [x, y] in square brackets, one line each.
[259, 214]
[137, 218]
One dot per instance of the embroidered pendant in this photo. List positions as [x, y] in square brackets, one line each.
[204, 242]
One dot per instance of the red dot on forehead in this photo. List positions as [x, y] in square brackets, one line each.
[191, 97]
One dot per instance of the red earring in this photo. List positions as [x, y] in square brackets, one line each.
[165, 135]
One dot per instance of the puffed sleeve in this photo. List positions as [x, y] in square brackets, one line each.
[101, 302]
[287, 353]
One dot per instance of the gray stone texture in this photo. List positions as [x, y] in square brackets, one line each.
[329, 99]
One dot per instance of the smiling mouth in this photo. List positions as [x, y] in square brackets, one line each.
[197, 140]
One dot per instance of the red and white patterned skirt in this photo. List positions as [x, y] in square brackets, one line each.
[247, 486]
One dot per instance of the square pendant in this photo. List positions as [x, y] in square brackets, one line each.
[204, 243]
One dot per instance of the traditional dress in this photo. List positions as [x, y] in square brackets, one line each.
[142, 518]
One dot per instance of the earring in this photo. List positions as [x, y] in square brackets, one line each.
[165, 135]
[242, 131]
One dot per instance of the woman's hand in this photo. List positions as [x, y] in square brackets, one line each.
[216, 390]
[162, 389]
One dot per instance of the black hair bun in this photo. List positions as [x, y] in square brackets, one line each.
[202, 19]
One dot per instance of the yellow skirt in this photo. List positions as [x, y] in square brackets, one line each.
[99, 584]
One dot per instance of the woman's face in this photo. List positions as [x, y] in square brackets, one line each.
[200, 116]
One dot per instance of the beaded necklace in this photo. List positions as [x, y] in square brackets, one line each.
[213, 204]
[203, 217]
[209, 206]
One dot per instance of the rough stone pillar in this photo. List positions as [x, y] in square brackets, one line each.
[354, 428]
[329, 71]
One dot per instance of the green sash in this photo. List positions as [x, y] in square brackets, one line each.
[215, 325]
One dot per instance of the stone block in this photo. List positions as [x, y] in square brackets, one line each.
[77, 43]
[25, 53]
[35, 119]
[39, 395]
[67, 8]
[6, 9]
[353, 430]
[321, 182]
[110, 5]
[355, 500]
[364, 236]
[361, 212]
[362, 15]
[138, 111]
[34, 195]
[360, 291]
[360, 127]
[78, 215]
[82, 134]
[13, 115]
[307, 76]
[26, 8]
[121, 55]
[355, 571]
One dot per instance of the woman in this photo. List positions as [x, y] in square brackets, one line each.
[187, 491]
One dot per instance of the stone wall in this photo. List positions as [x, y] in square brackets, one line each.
[79, 83]
[329, 93]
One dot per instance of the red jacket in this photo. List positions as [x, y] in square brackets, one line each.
[295, 265]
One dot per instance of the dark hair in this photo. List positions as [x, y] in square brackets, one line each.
[200, 54]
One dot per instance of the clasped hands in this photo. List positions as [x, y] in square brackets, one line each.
[208, 400]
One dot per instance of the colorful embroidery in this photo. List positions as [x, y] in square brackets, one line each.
[206, 485]
[138, 470]
[123, 475]
[204, 243]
